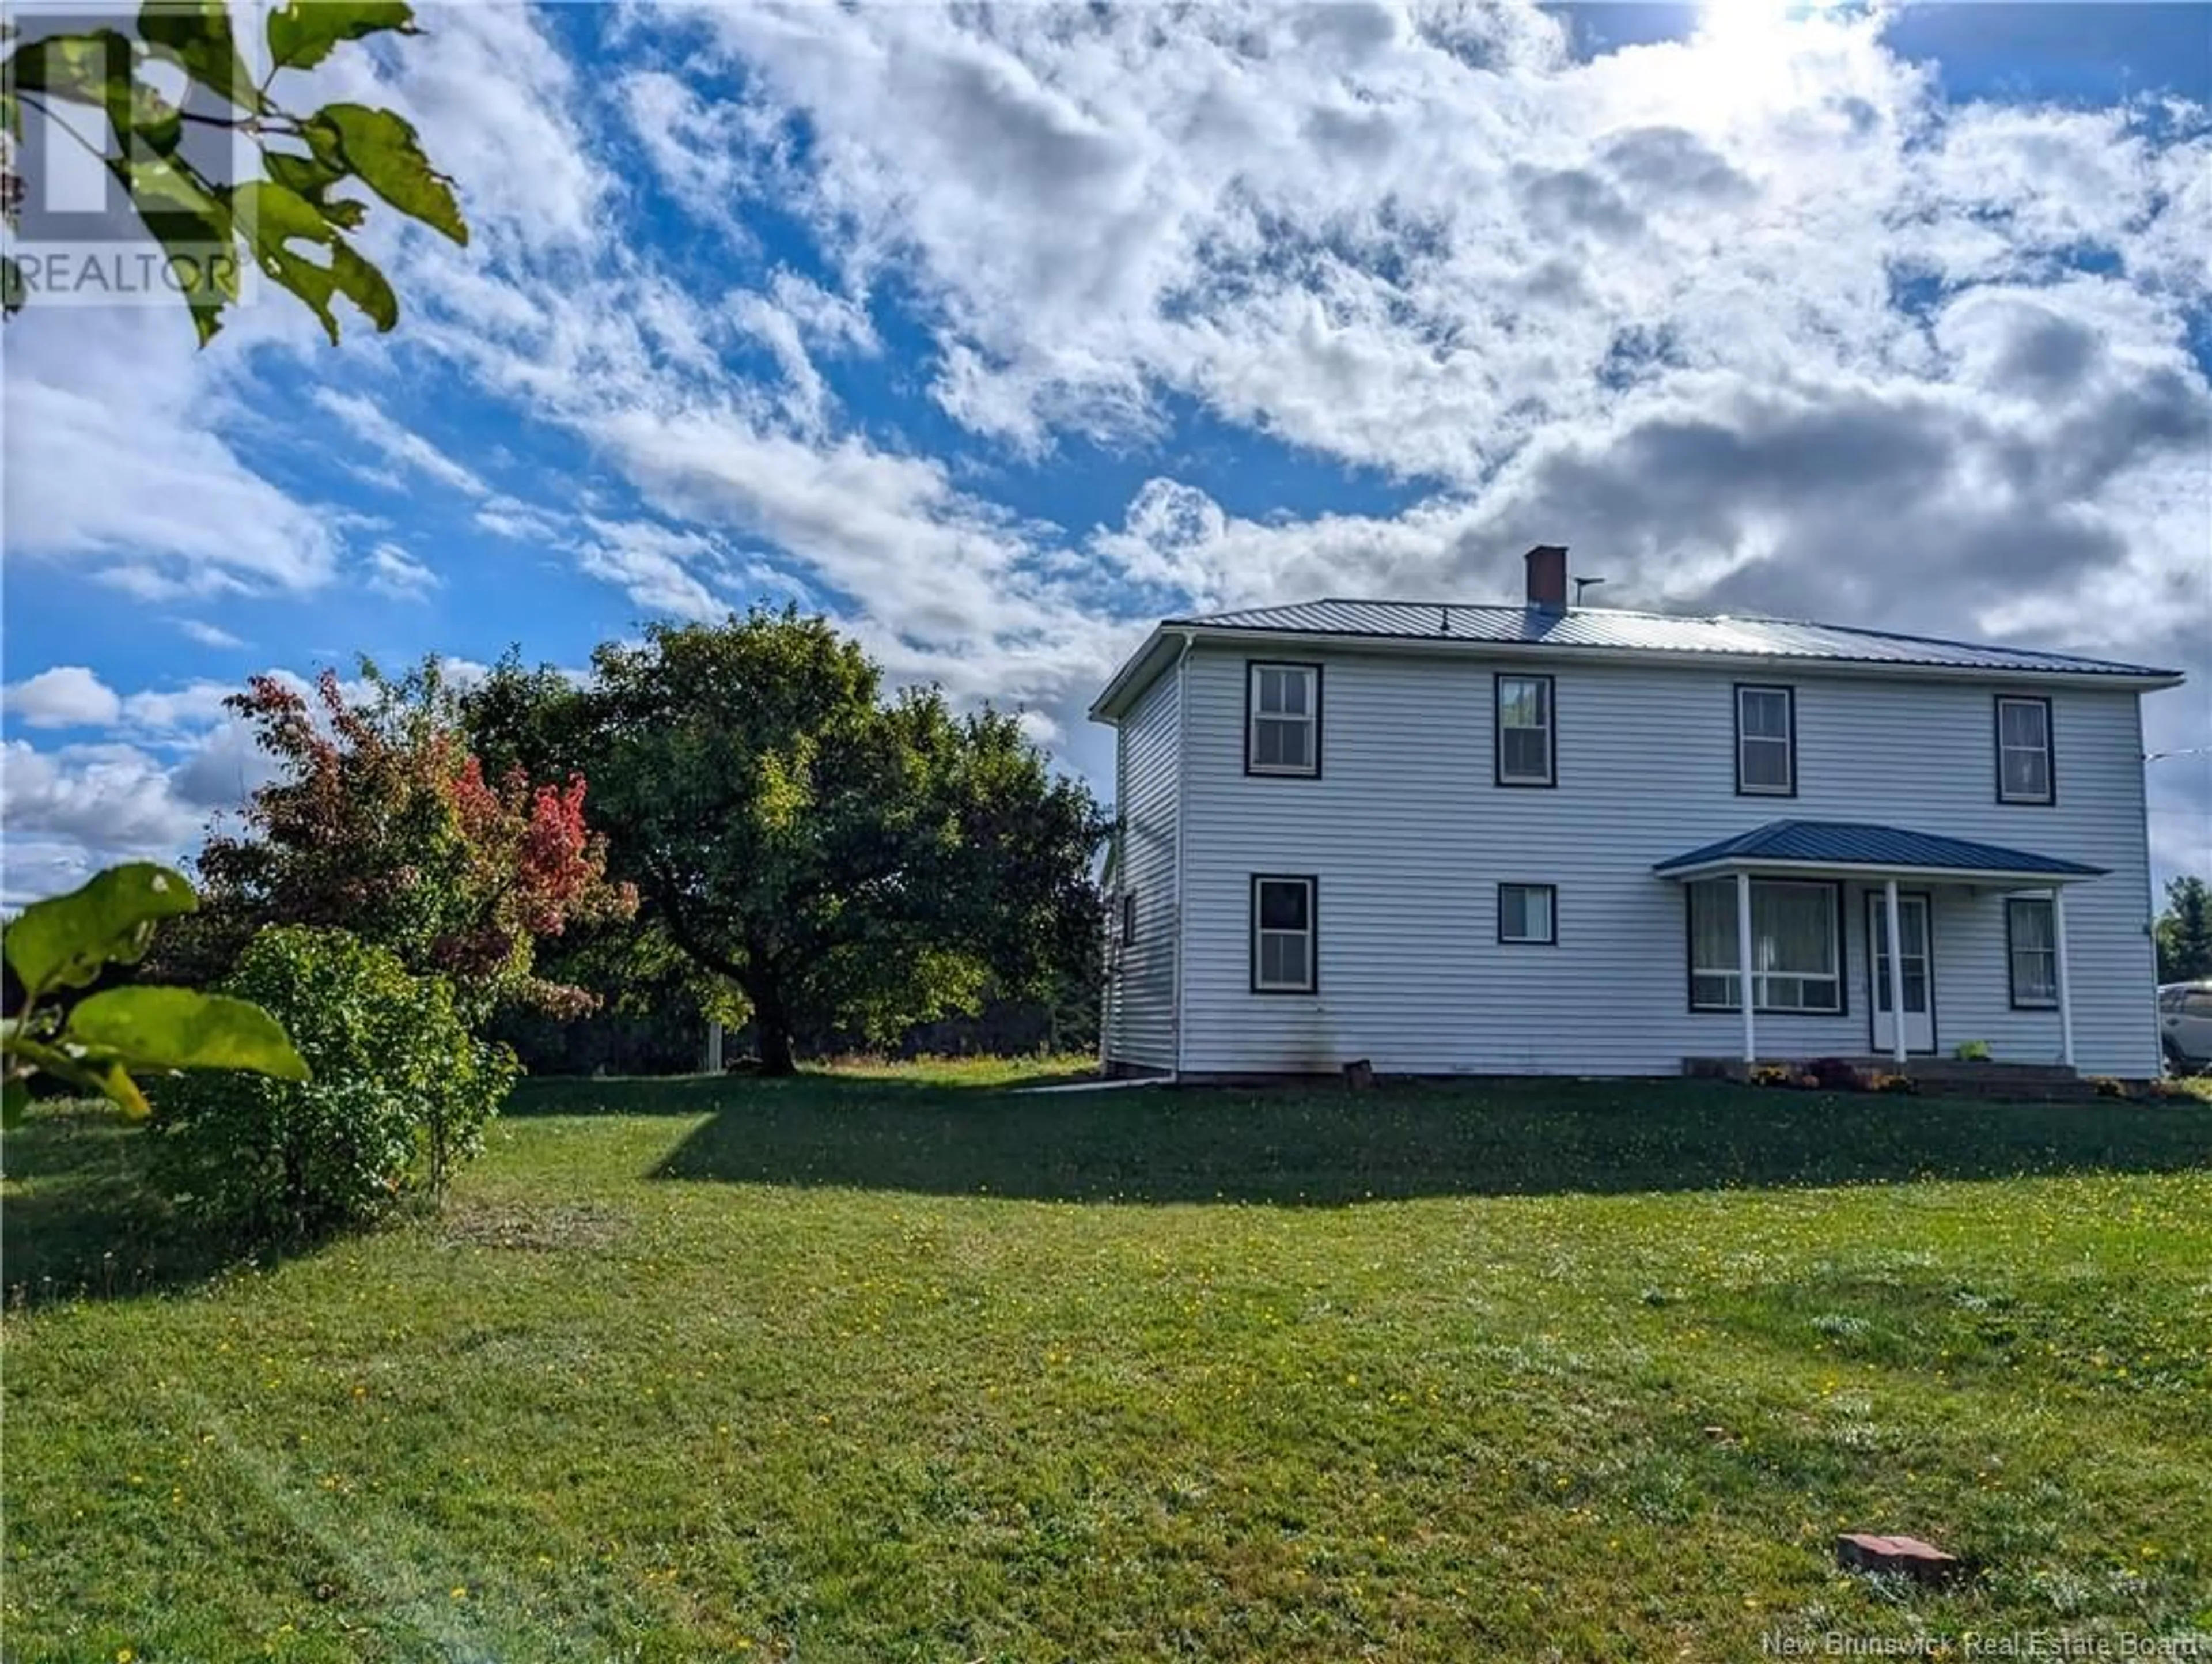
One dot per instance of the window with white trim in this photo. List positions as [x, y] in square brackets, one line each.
[1525, 731]
[2024, 764]
[1282, 726]
[1283, 936]
[2032, 947]
[1766, 741]
[1528, 913]
[1796, 947]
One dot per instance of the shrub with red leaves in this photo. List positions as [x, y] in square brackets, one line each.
[382, 823]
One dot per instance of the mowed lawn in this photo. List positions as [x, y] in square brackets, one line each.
[895, 1366]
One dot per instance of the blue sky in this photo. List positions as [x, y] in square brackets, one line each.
[996, 337]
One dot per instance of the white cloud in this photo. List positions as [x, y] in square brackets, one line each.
[114, 800]
[510, 517]
[68, 696]
[400, 446]
[703, 152]
[393, 572]
[209, 635]
[116, 460]
[495, 100]
[654, 565]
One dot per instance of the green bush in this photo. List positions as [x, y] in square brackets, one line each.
[401, 1094]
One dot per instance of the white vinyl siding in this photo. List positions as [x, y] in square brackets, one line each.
[1766, 741]
[1408, 838]
[1140, 986]
[2023, 761]
[2031, 944]
[1283, 727]
[1796, 947]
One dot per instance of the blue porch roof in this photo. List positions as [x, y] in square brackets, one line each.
[1854, 843]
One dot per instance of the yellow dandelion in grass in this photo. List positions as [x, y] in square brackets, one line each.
[124, 1655]
[460, 1591]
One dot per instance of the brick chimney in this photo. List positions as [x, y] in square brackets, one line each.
[1547, 576]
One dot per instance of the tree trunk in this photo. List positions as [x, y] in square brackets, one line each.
[774, 1045]
[771, 1025]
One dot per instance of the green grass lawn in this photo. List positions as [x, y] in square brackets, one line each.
[877, 1367]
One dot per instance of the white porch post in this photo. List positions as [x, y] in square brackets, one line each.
[2058, 968]
[1743, 965]
[713, 1046]
[1895, 972]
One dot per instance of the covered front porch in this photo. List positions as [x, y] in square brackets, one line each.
[1784, 919]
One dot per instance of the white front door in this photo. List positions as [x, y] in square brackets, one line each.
[1920, 973]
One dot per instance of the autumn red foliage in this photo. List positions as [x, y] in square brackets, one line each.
[381, 822]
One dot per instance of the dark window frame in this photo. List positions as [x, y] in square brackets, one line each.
[2012, 970]
[1551, 915]
[1789, 692]
[2050, 796]
[1835, 888]
[1262, 771]
[1312, 882]
[1128, 917]
[1498, 680]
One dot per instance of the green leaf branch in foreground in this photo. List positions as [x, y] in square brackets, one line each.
[66, 940]
[290, 225]
[64, 943]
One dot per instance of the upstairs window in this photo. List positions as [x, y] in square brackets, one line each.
[1128, 920]
[2032, 945]
[1283, 940]
[1525, 756]
[2024, 770]
[1766, 741]
[1282, 719]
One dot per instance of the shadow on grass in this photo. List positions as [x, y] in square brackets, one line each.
[79, 1221]
[692, 1095]
[1328, 1146]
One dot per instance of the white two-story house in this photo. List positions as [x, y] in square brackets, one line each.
[1446, 838]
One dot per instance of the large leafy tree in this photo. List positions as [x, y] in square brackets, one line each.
[383, 822]
[851, 861]
[176, 157]
[2184, 931]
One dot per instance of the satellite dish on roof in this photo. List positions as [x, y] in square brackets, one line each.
[1582, 584]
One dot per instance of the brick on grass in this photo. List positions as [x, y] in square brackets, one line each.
[1861, 1551]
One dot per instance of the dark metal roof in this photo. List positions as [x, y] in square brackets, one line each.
[1661, 632]
[1855, 844]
